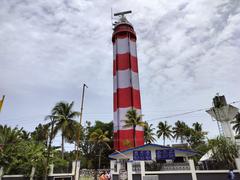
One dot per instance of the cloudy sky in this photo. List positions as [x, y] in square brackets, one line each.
[187, 51]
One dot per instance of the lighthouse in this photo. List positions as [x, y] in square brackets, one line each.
[126, 95]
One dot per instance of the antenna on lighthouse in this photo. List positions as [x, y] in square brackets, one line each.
[121, 16]
[122, 13]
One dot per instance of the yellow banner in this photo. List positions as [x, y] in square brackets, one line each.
[1, 102]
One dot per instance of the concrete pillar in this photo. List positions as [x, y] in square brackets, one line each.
[118, 166]
[51, 169]
[142, 166]
[112, 165]
[32, 173]
[192, 169]
[237, 161]
[73, 167]
[1, 172]
[129, 170]
[77, 175]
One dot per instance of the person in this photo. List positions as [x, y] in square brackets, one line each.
[231, 175]
[108, 175]
[103, 176]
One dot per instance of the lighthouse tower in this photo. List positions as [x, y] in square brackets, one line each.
[126, 83]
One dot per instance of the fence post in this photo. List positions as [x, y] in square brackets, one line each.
[32, 173]
[192, 169]
[118, 167]
[1, 172]
[237, 161]
[129, 170]
[73, 167]
[51, 169]
[142, 166]
[77, 175]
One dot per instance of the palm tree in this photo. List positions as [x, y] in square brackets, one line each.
[164, 130]
[40, 134]
[51, 136]
[236, 123]
[133, 120]
[99, 137]
[179, 130]
[9, 135]
[197, 127]
[64, 119]
[148, 133]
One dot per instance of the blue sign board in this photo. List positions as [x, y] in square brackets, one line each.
[142, 155]
[165, 154]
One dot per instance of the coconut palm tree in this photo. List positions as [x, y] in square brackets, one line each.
[100, 139]
[179, 130]
[148, 133]
[40, 134]
[197, 126]
[236, 123]
[164, 130]
[9, 135]
[65, 115]
[133, 120]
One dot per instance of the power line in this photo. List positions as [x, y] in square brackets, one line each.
[189, 112]
[157, 118]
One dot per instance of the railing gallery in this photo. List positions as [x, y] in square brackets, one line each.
[154, 166]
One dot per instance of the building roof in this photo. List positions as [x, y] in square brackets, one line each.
[188, 151]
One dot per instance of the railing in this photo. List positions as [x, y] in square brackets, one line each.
[154, 166]
[136, 167]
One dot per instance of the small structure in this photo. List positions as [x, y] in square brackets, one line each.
[223, 113]
[153, 152]
[150, 157]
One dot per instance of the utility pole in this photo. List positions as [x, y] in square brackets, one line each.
[79, 131]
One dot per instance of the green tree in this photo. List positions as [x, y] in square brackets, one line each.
[100, 139]
[236, 124]
[133, 120]
[224, 152]
[9, 135]
[89, 150]
[164, 130]
[64, 120]
[41, 133]
[148, 133]
[195, 136]
[179, 130]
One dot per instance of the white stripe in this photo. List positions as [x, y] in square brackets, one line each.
[115, 122]
[120, 117]
[114, 52]
[124, 79]
[121, 47]
[133, 48]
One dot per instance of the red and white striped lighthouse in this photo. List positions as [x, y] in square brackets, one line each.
[125, 83]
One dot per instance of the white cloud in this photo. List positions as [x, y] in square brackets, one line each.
[187, 50]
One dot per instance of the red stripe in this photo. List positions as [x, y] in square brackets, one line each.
[127, 97]
[125, 35]
[122, 63]
[121, 138]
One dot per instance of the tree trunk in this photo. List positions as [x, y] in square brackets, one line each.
[49, 150]
[164, 140]
[99, 159]
[134, 136]
[62, 146]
